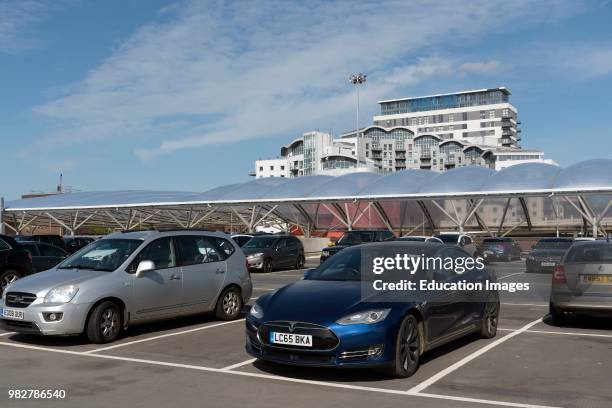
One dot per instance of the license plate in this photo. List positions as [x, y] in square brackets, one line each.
[291, 339]
[548, 264]
[12, 314]
[603, 279]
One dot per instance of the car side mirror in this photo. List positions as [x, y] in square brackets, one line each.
[308, 273]
[144, 266]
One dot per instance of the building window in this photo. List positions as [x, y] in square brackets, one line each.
[282, 167]
[260, 168]
[271, 167]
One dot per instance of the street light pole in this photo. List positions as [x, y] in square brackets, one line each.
[357, 79]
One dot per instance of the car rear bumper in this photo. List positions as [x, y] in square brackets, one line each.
[570, 302]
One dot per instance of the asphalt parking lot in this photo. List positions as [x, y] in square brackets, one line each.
[197, 361]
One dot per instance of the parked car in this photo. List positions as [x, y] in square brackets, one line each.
[351, 238]
[500, 249]
[55, 240]
[266, 252]
[241, 239]
[44, 256]
[547, 253]
[419, 238]
[73, 244]
[15, 262]
[344, 329]
[582, 281]
[130, 278]
[462, 241]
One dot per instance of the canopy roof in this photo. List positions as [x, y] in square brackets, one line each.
[593, 176]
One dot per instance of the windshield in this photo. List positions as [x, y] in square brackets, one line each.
[260, 242]
[345, 266]
[354, 237]
[593, 253]
[448, 238]
[102, 255]
[553, 245]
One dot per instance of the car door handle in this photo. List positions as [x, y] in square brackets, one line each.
[175, 277]
[220, 270]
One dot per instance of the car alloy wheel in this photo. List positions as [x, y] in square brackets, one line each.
[267, 266]
[8, 278]
[109, 322]
[300, 262]
[408, 348]
[490, 320]
[229, 304]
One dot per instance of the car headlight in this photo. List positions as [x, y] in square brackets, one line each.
[256, 311]
[61, 294]
[257, 255]
[365, 317]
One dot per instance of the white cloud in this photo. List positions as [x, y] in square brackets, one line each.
[16, 16]
[588, 63]
[237, 70]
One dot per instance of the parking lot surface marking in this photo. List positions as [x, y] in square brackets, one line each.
[237, 365]
[512, 274]
[161, 336]
[6, 334]
[524, 304]
[562, 333]
[278, 378]
[431, 380]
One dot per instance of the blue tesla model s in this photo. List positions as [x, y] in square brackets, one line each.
[327, 319]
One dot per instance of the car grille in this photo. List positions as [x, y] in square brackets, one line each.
[19, 299]
[323, 339]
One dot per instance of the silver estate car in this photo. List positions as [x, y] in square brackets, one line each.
[582, 282]
[128, 278]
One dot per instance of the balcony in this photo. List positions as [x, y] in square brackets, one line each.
[376, 148]
[400, 156]
[376, 156]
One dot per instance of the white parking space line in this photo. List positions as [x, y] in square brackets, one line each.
[266, 289]
[512, 274]
[431, 380]
[6, 334]
[129, 343]
[562, 333]
[278, 378]
[237, 365]
[525, 304]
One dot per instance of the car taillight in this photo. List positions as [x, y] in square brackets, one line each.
[559, 275]
[30, 256]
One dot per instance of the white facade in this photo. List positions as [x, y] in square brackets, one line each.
[272, 168]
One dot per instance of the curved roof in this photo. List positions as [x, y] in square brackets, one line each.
[594, 176]
[590, 174]
[428, 135]
[458, 180]
[524, 177]
[348, 185]
[408, 181]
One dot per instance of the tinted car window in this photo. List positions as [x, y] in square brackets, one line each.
[260, 242]
[160, 251]
[387, 235]
[439, 272]
[553, 244]
[197, 249]
[241, 240]
[4, 246]
[31, 248]
[48, 250]
[225, 245]
[589, 254]
[448, 238]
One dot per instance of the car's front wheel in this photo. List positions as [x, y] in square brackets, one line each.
[8, 277]
[299, 263]
[229, 304]
[490, 319]
[267, 265]
[407, 348]
[104, 323]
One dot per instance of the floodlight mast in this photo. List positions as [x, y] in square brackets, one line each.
[357, 80]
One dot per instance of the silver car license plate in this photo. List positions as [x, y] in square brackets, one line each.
[14, 314]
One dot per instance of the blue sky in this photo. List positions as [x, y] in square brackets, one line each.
[155, 94]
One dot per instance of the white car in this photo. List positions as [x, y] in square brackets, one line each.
[419, 238]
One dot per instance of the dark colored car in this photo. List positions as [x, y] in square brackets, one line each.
[266, 252]
[242, 239]
[73, 244]
[500, 249]
[343, 328]
[54, 240]
[582, 282]
[547, 254]
[463, 241]
[351, 238]
[44, 256]
[15, 262]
